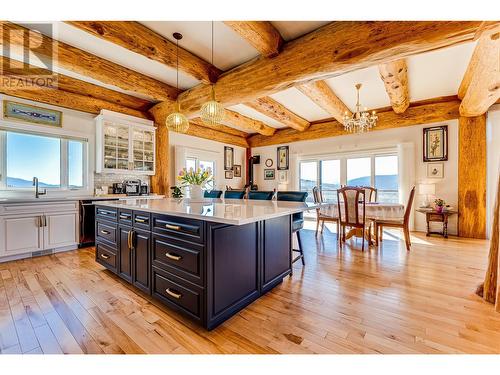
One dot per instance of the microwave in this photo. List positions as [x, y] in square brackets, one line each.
[132, 187]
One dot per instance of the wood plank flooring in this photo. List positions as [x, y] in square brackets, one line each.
[384, 300]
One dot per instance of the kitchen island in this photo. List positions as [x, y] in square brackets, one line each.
[206, 258]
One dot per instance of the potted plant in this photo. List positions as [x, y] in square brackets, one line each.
[195, 180]
[439, 205]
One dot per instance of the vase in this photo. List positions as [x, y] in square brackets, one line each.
[195, 192]
[439, 209]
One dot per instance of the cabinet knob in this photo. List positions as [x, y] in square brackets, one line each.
[173, 256]
[172, 293]
[173, 227]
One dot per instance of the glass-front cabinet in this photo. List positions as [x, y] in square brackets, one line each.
[124, 144]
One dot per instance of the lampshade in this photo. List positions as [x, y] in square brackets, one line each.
[212, 112]
[177, 122]
[427, 189]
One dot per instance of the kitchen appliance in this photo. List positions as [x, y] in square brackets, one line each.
[144, 189]
[132, 187]
[118, 188]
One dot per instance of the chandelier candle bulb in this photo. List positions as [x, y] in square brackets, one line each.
[360, 122]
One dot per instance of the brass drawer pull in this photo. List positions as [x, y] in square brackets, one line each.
[104, 256]
[173, 256]
[125, 217]
[129, 239]
[104, 213]
[173, 227]
[173, 294]
[140, 220]
[104, 232]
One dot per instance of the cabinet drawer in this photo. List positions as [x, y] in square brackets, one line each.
[125, 217]
[105, 256]
[178, 227]
[106, 213]
[435, 217]
[106, 232]
[142, 220]
[183, 297]
[183, 259]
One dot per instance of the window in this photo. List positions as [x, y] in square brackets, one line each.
[195, 163]
[58, 162]
[376, 169]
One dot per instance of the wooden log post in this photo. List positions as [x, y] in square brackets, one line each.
[160, 183]
[472, 176]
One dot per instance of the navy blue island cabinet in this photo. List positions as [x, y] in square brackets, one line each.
[207, 271]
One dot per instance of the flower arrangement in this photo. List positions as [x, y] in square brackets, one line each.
[440, 204]
[198, 177]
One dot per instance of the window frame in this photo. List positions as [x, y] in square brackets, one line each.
[63, 156]
[372, 154]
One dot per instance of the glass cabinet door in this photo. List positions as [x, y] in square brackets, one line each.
[116, 146]
[143, 150]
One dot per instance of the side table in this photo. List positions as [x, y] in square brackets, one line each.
[439, 217]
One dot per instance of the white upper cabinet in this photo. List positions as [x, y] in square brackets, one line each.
[124, 144]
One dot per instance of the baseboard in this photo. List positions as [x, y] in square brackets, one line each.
[36, 254]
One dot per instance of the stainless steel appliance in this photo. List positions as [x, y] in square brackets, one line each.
[132, 187]
[144, 189]
[118, 188]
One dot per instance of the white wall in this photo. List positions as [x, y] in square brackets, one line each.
[407, 140]
[211, 147]
[493, 160]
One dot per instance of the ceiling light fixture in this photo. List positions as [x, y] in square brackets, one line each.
[212, 112]
[176, 121]
[360, 121]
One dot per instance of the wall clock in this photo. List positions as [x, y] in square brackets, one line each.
[269, 163]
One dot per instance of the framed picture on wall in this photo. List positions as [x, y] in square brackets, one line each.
[269, 174]
[435, 170]
[228, 158]
[228, 175]
[436, 143]
[30, 113]
[283, 177]
[237, 170]
[282, 158]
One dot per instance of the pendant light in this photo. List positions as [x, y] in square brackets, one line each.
[176, 121]
[212, 112]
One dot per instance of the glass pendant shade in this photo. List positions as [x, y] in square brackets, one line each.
[177, 122]
[212, 112]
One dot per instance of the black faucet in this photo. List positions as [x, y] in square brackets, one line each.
[38, 193]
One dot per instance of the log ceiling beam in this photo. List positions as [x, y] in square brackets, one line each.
[249, 124]
[202, 131]
[394, 74]
[332, 50]
[139, 39]
[428, 111]
[219, 127]
[86, 64]
[275, 110]
[65, 83]
[480, 87]
[262, 35]
[321, 94]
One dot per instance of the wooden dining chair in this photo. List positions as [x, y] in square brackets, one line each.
[370, 194]
[397, 223]
[321, 217]
[351, 209]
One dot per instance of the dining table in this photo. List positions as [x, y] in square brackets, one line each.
[373, 211]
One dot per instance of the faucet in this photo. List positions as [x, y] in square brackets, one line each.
[38, 193]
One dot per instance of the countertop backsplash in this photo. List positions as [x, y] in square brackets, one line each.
[108, 179]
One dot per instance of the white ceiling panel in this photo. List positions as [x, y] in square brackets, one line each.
[300, 104]
[230, 49]
[293, 29]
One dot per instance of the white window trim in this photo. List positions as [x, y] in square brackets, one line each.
[63, 136]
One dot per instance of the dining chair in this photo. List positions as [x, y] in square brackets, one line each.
[234, 194]
[297, 218]
[370, 193]
[212, 194]
[261, 195]
[351, 209]
[321, 217]
[397, 223]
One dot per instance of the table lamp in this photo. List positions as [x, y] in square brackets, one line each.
[426, 190]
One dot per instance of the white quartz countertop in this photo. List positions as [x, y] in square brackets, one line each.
[225, 211]
[43, 199]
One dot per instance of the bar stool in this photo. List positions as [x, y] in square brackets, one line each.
[261, 195]
[212, 194]
[297, 218]
[234, 194]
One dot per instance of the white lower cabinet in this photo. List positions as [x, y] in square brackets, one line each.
[20, 234]
[25, 233]
[60, 230]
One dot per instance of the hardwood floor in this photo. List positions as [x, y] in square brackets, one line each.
[384, 300]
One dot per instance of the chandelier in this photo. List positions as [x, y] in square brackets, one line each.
[176, 121]
[212, 112]
[360, 121]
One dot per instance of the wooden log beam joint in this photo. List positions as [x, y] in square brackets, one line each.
[262, 35]
[395, 77]
[275, 110]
